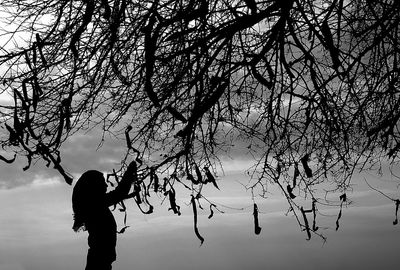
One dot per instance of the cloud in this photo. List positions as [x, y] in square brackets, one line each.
[6, 99]
[12, 175]
[79, 153]
[83, 152]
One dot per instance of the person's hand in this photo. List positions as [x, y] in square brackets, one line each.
[132, 167]
[131, 171]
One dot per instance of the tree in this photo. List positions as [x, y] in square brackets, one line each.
[310, 87]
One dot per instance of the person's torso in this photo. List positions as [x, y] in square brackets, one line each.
[102, 229]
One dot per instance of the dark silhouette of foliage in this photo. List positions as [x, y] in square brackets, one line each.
[257, 228]
[298, 81]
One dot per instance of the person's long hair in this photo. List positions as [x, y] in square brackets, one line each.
[82, 197]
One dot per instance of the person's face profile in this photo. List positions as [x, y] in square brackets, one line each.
[103, 185]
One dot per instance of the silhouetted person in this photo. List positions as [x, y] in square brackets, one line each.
[90, 204]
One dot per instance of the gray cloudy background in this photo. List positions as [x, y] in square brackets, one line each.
[36, 220]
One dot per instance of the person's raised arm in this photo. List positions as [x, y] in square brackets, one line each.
[122, 190]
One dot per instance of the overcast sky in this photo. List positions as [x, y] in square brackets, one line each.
[36, 220]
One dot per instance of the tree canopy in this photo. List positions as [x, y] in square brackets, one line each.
[309, 89]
